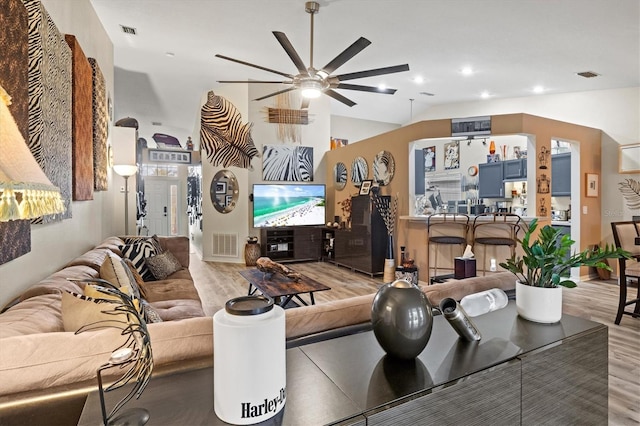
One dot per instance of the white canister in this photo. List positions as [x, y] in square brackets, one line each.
[249, 360]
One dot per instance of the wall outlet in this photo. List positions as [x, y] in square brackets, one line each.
[584, 209]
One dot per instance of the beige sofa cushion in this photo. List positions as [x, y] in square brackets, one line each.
[35, 315]
[171, 289]
[92, 258]
[40, 361]
[172, 310]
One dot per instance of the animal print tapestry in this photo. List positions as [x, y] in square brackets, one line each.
[226, 141]
[15, 236]
[82, 142]
[287, 163]
[50, 103]
[100, 128]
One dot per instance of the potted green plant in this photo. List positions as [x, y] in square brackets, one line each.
[545, 268]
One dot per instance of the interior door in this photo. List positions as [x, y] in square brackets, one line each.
[159, 205]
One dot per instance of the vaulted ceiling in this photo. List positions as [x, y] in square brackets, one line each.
[511, 46]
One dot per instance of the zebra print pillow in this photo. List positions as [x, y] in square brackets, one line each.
[137, 253]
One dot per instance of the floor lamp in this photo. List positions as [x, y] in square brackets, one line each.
[126, 170]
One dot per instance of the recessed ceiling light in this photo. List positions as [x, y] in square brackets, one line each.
[128, 30]
[485, 95]
[466, 71]
[418, 79]
[170, 54]
[538, 89]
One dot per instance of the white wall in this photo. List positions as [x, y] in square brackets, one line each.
[239, 221]
[53, 245]
[615, 112]
[356, 129]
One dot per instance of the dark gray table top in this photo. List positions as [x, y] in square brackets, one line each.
[347, 376]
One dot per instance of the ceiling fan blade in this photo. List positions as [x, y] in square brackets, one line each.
[255, 66]
[373, 72]
[365, 88]
[338, 97]
[305, 103]
[254, 81]
[288, 47]
[275, 93]
[347, 54]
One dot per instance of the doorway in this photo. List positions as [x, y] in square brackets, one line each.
[162, 195]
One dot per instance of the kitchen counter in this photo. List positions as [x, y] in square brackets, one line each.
[561, 223]
[423, 218]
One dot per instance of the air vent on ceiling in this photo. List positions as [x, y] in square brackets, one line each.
[156, 123]
[427, 94]
[588, 74]
[128, 30]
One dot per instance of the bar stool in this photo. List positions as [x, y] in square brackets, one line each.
[495, 229]
[449, 229]
[624, 234]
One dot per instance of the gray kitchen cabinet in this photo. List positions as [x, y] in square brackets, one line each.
[561, 175]
[514, 169]
[490, 176]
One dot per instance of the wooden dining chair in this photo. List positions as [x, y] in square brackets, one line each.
[624, 235]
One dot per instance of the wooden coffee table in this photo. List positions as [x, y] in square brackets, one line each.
[277, 286]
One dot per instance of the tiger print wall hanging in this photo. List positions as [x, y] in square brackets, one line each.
[15, 235]
[226, 141]
[50, 103]
[82, 142]
[100, 128]
[287, 163]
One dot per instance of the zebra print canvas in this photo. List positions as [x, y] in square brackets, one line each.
[50, 103]
[226, 141]
[287, 163]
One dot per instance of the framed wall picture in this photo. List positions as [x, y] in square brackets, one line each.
[365, 187]
[592, 185]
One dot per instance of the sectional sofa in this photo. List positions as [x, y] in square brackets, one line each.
[46, 372]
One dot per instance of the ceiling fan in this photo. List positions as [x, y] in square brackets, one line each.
[313, 82]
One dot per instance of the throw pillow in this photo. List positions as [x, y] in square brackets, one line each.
[137, 277]
[137, 253]
[163, 265]
[152, 240]
[150, 314]
[116, 271]
[79, 311]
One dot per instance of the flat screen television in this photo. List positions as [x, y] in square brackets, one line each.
[288, 204]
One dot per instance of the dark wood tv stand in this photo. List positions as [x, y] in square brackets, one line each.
[294, 243]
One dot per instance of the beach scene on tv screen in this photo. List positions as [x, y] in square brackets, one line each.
[288, 205]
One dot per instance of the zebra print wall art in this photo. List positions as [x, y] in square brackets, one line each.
[287, 163]
[226, 141]
[15, 235]
[50, 103]
[359, 171]
[100, 128]
[384, 167]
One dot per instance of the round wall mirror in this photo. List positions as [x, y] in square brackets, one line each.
[340, 175]
[224, 191]
[359, 170]
[383, 168]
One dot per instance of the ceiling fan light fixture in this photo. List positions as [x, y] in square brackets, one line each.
[311, 89]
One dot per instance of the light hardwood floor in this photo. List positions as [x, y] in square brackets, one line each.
[594, 300]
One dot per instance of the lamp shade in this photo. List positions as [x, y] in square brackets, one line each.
[125, 169]
[25, 191]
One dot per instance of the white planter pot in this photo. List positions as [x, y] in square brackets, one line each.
[539, 304]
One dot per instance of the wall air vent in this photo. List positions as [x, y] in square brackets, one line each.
[128, 30]
[588, 74]
[225, 245]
